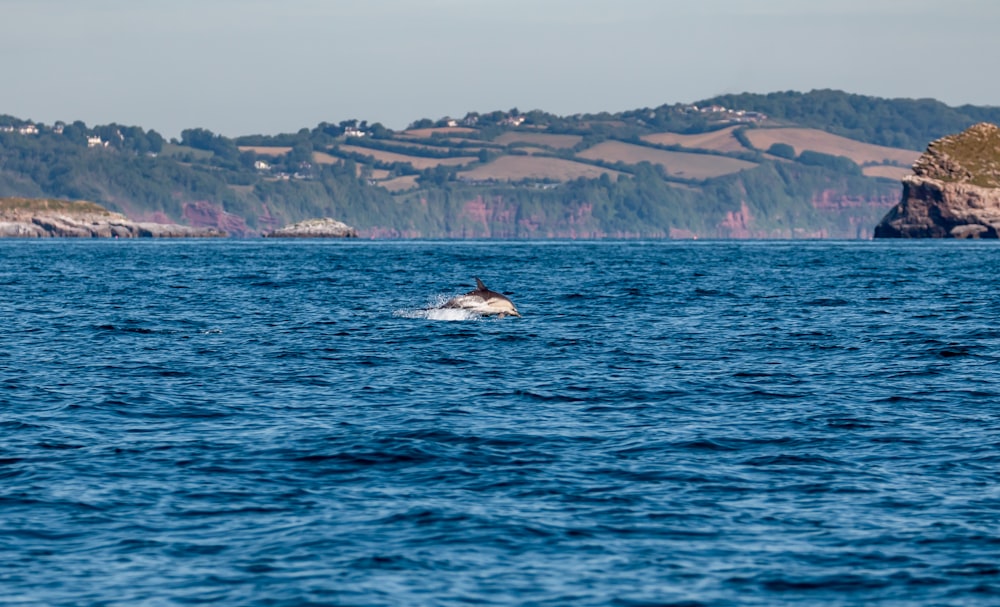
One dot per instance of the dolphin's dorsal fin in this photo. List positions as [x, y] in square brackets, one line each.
[480, 286]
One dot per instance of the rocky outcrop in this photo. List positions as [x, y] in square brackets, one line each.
[315, 228]
[954, 191]
[46, 218]
[932, 208]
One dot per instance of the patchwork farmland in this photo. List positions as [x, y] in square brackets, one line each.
[683, 165]
[516, 155]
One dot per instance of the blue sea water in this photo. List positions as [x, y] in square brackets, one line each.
[670, 423]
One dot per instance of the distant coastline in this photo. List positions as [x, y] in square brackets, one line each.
[823, 164]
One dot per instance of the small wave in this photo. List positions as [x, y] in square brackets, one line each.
[828, 302]
[842, 582]
[137, 330]
[793, 460]
[704, 444]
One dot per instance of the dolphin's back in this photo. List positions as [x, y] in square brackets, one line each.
[484, 292]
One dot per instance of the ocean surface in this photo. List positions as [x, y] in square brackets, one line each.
[670, 423]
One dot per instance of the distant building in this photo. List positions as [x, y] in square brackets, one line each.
[353, 131]
[7, 129]
[260, 165]
[94, 141]
[28, 129]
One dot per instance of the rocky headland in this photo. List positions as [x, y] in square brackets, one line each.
[954, 191]
[315, 228]
[47, 218]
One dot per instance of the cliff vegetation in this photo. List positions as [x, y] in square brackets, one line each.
[972, 156]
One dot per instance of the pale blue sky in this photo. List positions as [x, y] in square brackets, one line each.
[252, 66]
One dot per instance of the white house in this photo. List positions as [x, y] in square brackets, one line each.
[94, 141]
[28, 129]
[260, 165]
[353, 131]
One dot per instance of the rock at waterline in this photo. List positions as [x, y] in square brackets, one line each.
[315, 228]
[50, 218]
[954, 191]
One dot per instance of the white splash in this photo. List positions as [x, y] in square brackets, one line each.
[434, 311]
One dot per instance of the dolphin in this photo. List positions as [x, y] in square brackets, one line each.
[484, 302]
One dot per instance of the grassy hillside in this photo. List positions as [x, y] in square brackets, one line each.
[820, 141]
[539, 139]
[418, 162]
[681, 165]
[70, 207]
[723, 141]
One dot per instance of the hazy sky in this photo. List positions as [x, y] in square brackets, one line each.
[252, 66]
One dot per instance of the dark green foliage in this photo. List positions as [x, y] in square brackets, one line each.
[437, 177]
[782, 150]
[284, 140]
[379, 131]
[224, 150]
[837, 164]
